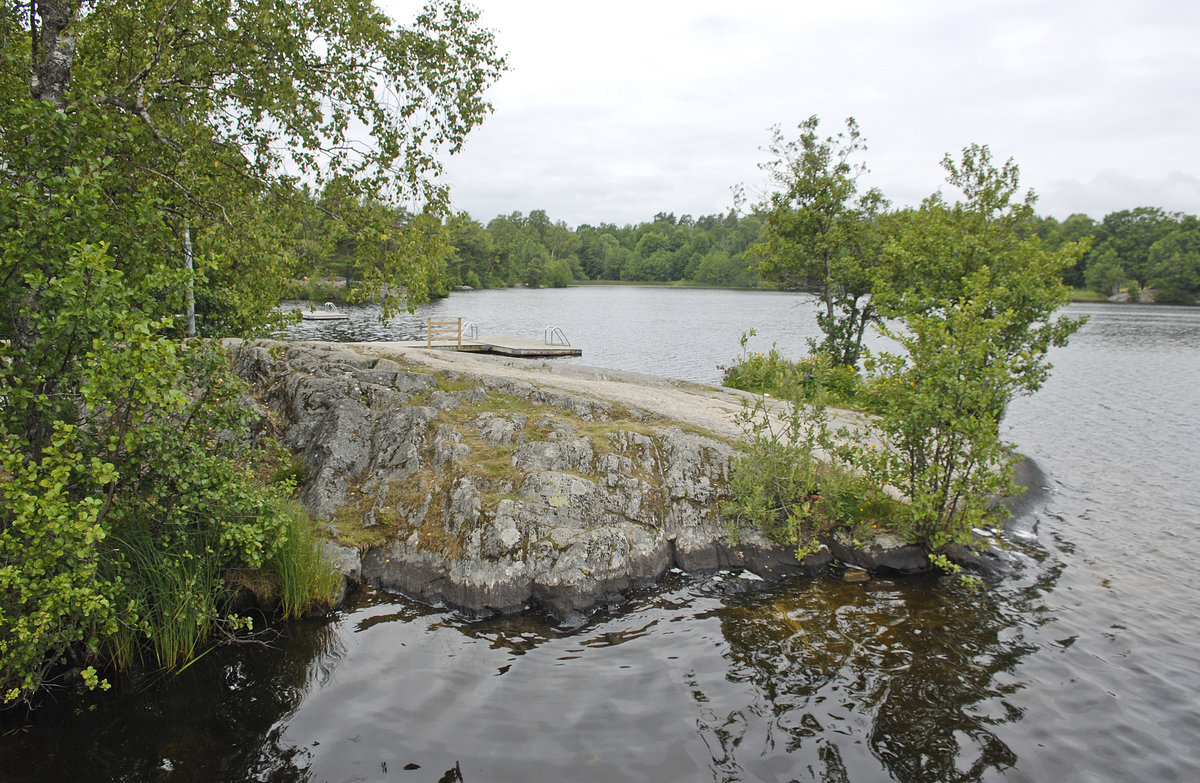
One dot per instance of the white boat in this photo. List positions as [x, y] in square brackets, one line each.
[327, 313]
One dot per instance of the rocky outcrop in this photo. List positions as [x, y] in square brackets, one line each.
[493, 494]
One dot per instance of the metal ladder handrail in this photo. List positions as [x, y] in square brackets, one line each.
[551, 332]
[472, 328]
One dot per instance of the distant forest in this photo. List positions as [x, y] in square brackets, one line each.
[1134, 252]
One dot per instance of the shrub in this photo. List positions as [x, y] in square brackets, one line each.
[788, 483]
[115, 541]
[775, 483]
[770, 373]
[974, 321]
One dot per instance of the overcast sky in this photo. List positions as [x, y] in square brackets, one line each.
[614, 111]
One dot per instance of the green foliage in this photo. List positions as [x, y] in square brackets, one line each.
[201, 114]
[1175, 264]
[296, 570]
[975, 320]
[170, 592]
[971, 292]
[1075, 228]
[821, 234]
[1130, 233]
[424, 244]
[1146, 246]
[120, 532]
[770, 373]
[775, 483]
[786, 483]
[127, 488]
[1087, 295]
[941, 421]
[116, 542]
[50, 601]
[1105, 273]
[531, 250]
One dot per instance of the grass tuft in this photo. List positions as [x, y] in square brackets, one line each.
[303, 580]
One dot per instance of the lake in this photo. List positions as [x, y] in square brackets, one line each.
[1082, 666]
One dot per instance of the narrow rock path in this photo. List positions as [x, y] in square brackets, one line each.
[708, 407]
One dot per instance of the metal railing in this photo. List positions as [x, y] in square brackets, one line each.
[553, 333]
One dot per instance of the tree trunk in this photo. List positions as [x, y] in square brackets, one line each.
[54, 49]
[191, 291]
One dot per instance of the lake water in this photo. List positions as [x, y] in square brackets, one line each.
[1082, 666]
[677, 333]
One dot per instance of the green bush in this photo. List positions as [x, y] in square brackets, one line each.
[128, 488]
[972, 323]
[51, 600]
[775, 483]
[771, 373]
[788, 483]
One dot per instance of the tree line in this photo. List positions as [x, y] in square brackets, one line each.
[1131, 250]
[536, 251]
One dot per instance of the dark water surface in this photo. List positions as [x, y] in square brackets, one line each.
[1083, 666]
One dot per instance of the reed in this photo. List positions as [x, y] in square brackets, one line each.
[173, 591]
[177, 595]
[302, 578]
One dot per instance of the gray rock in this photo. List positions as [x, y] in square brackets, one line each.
[495, 429]
[347, 562]
[983, 558]
[448, 447]
[885, 551]
[443, 401]
[562, 521]
[562, 454]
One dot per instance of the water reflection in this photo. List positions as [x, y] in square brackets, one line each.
[221, 719]
[915, 673]
[813, 679]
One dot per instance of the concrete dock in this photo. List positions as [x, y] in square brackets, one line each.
[500, 344]
[507, 345]
[447, 334]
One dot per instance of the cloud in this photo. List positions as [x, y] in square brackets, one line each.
[1111, 190]
[615, 112]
